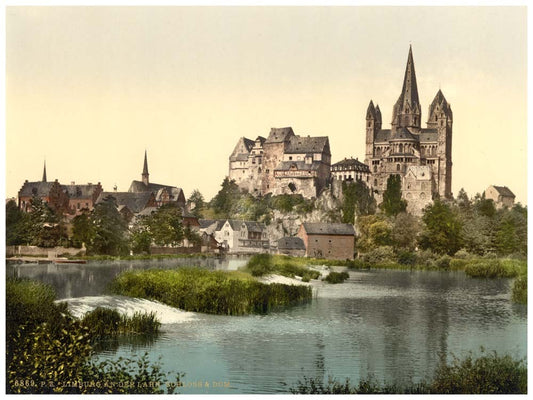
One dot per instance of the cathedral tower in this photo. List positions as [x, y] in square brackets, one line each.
[145, 173]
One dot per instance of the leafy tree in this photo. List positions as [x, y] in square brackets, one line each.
[511, 234]
[166, 226]
[197, 199]
[442, 230]
[374, 231]
[393, 203]
[226, 198]
[141, 237]
[42, 226]
[14, 224]
[109, 229]
[463, 201]
[83, 229]
[405, 231]
[357, 200]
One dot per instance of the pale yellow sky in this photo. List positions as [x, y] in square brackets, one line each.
[90, 88]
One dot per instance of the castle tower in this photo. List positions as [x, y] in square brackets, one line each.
[145, 173]
[44, 172]
[406, 113]
[441, 119]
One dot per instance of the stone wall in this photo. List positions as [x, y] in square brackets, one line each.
[50, 252]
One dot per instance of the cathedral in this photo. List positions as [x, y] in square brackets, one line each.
[421, 156]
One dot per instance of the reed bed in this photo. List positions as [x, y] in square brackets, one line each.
[103, 322]
[212, 292]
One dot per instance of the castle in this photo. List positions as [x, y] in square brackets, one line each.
[421, 156]
[283, 163]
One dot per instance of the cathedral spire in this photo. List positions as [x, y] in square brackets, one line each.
[44, 172]
[145, 173]
[406, 112]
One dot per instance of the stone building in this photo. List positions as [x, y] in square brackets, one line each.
[328, 240]
[501, 195]
[283, 163]
[406, 144]
[351, 170]
[237, 236]
[82, 197]
[164, 194]
[291, 246]
[51, 193]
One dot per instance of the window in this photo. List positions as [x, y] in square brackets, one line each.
[290, 158]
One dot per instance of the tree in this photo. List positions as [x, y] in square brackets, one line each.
[197, 199]
[442, 230]
[393, 203]
[511, 234]
[226, 198]
[14, 224]
[405, 231]
[357, 200]
[141, 237]
[166, 226]
[42, 226]
[110, 229]
[374, 231]
[83, 229]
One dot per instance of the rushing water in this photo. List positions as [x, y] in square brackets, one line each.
[391, 325]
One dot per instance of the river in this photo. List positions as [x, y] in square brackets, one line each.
[391, 325]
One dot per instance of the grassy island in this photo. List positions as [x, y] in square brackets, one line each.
[212, 292]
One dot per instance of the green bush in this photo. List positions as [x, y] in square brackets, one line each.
[519, 292]
[407, 258]
[103, 322]
[379, 255]
[260, 264]
[263, 264]
[443, 262]
[212, 292]
[336, 277]
[488, 374]
[47, 348]
[493, 268]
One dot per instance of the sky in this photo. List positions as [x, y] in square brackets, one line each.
[89, 89]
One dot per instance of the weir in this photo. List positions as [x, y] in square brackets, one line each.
[128, 305]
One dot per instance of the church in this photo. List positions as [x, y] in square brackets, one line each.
[421, 156]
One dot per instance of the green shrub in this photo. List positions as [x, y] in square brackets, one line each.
[212, 292]
[519, 292]
[379, 255]
[463, 254]
[260, 264]
[103, 322]
[407, 258]
[427, 259]
[443, 262]
[493, 268]
[336, 277]
[488, 374]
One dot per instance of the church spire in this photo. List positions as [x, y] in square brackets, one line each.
[44, 172]
[406, 112]
[145, 173]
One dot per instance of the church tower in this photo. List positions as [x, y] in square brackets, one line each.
[145, 173]
[406, 112]
[441, 119]
[44, 172]
[373, 125]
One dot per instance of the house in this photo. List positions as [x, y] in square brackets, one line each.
[82, 196]
[163, 194]
[501, 195]
[51, 193]
[237, 236]
[135, 202]
[351, 170]
[291, 246]
[253, 237]
[328, 240]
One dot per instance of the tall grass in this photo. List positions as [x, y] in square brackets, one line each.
[488, 374]
[212, 292]
[103, 322]
[336, 277]
[263, 264]
[519, 291]
[494, 268]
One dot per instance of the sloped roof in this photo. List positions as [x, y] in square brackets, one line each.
[352, 164]
[297, 165]
[242, 149]
[291, 243]
[382, 135]
[299, 144]
[402, 133]
[79, 191]
[278, 135]
[428, 135]
[326, 228]
[254, 226]
[136, 202]
[139, 187]
[420, 172]
[36, 189]
[504, 191]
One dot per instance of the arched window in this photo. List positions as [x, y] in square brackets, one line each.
[375, 182]
[400, 148]
[398, 167]
[375, 168]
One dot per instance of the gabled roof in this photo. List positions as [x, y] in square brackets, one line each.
[382, 135]
[402, 133]
[299, 144]
[80, 191]
[326, 228]
[242, 149]
[428, 135]
[504, 191]
[254, 226]
[156, 188]
[291, 243]
[136, 202]
[38, 189]
[419, 172]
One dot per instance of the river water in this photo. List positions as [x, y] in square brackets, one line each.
[391, 325]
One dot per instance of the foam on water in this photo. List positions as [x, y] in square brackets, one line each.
[78, 306]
